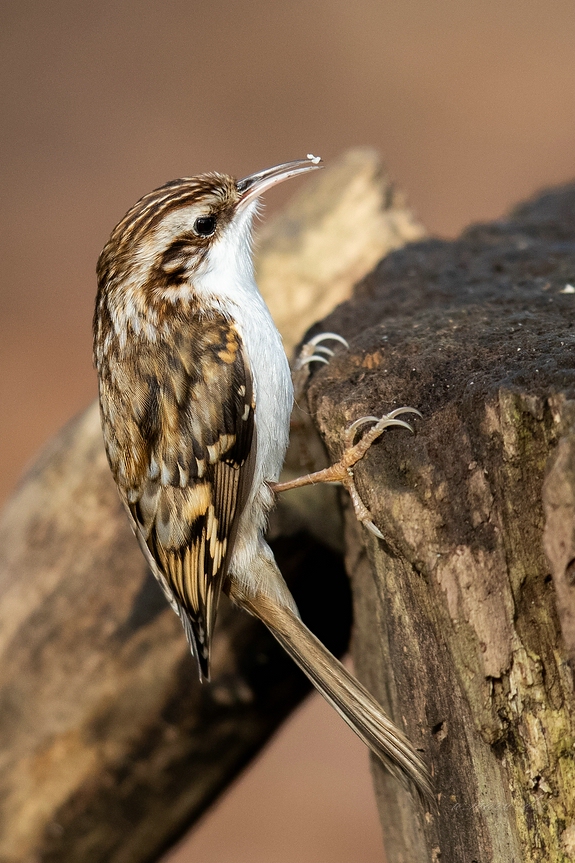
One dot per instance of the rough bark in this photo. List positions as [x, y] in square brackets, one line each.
[109, 747]
[463, 627]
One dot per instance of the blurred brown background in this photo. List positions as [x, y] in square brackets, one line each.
[472, 105]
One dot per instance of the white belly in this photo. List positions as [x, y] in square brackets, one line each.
[228, 283]
[273, 390]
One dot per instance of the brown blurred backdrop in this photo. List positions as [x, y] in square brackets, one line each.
[472, 104]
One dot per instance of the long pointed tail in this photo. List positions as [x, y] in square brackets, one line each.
[351, 700]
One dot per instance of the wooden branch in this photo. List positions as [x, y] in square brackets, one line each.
[457, 630]
[109, 747]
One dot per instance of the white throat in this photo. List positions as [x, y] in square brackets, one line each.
[227, 274]
[226, 282]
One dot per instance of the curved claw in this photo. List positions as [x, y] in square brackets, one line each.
[401, 423]
[405, 410]
[319, 349]
[359, 422]
[362, 513]
[383, 422]
[322, 337]
[373, 529]
[313, 359]
[312, 350]
[349, 433]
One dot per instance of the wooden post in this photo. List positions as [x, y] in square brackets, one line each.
[457, 629]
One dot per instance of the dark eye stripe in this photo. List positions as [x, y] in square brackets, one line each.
[205, 226]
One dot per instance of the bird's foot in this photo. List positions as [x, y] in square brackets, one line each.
[313, 352]
[342, 471]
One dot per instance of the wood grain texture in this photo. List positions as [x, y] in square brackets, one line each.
[463, 626]
[109, 747]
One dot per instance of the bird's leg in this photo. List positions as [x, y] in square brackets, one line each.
[342, 471]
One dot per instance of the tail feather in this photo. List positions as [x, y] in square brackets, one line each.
[351, 700]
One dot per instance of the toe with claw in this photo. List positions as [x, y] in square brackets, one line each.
[342, 471]
[353, 453]
[313, 352]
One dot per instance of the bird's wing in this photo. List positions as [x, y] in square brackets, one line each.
[179, 429]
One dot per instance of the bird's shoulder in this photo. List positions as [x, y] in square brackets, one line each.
[178, 403]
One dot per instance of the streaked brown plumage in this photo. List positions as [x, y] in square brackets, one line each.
[179, 456]
[195, 397]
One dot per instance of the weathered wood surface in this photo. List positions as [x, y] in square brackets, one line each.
[109, 747]
[464, 627]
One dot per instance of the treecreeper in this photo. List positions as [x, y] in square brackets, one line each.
[195, 400]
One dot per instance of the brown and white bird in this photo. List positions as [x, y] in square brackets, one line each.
[195, 396]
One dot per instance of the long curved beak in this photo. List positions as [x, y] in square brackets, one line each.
[254, 185]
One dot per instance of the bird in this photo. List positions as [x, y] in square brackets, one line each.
[195, 394]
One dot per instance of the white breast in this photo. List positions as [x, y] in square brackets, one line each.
[227, 281]
[272, 388]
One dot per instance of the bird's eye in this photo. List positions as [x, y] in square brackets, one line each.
[205, 226]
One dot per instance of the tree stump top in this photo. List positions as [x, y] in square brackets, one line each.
[500, 289]
[457, 628]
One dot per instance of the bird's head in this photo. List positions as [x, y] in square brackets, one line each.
[190, 232]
